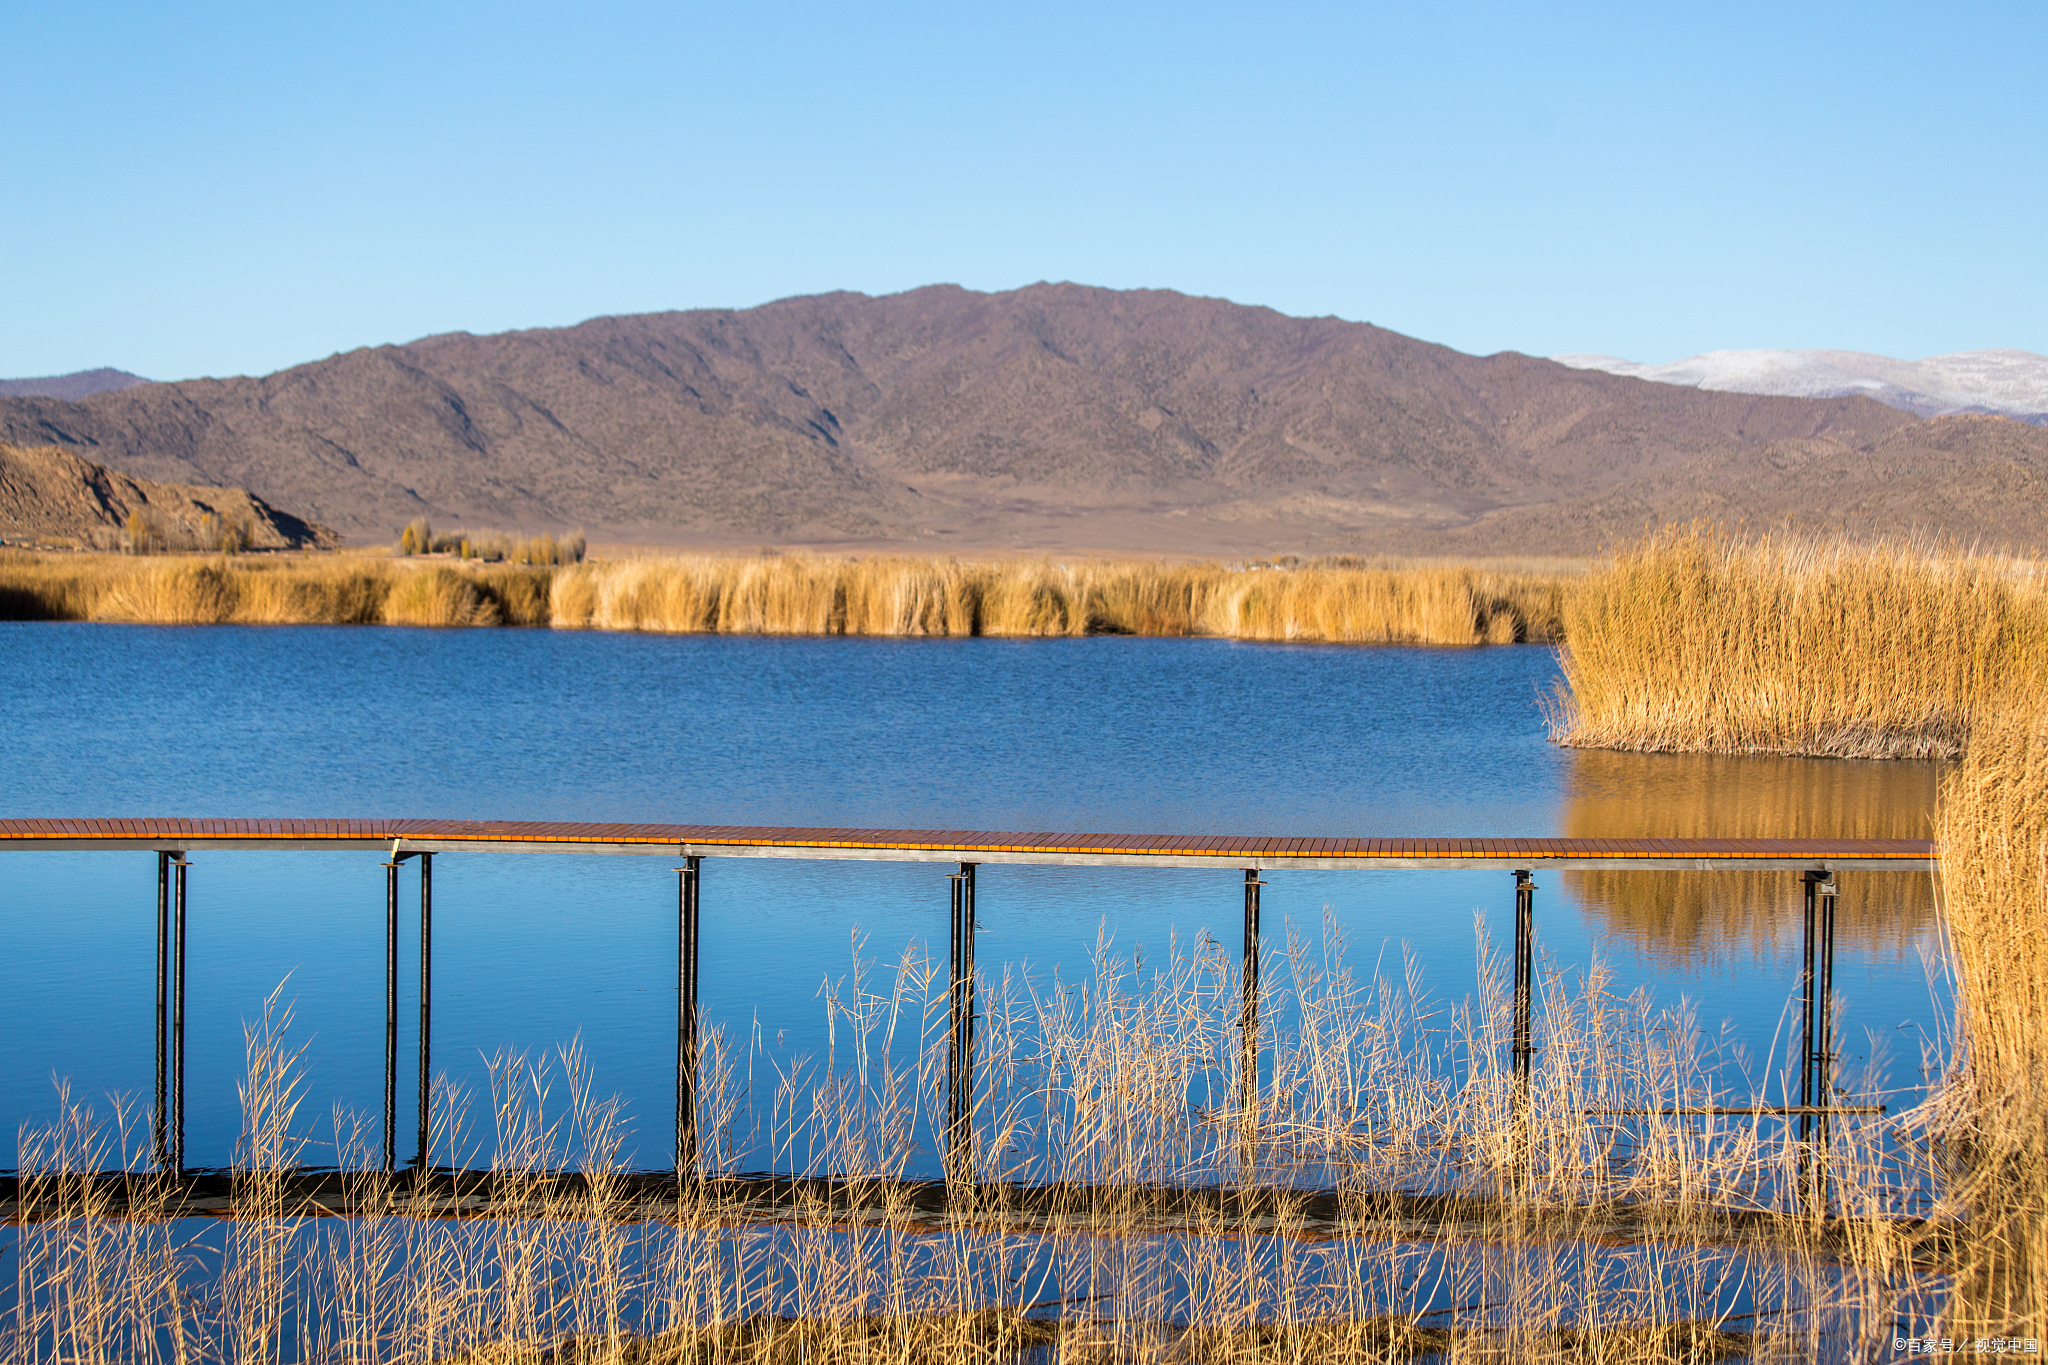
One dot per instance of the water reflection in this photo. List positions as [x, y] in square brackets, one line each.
[1712, 916]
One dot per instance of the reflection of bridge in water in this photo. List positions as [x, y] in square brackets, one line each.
[1817, 860]
[1738, 914]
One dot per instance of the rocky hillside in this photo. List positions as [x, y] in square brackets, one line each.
[48, 495]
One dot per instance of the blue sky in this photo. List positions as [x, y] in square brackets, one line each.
[222, 189]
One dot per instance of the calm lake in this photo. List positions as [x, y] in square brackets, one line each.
[1101, 734]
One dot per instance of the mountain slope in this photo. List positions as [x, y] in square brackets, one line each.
[1969, 479]
[1055, 417]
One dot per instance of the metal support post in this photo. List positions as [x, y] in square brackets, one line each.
[686, 1017]
[1816, 990]
[178, 1013]
[1809, 882]
[1248, 1002]
[161, 1121]
[960, 1077]
[426, 1006]
[1525, 972]
[391, 1014]
[1824, 1038]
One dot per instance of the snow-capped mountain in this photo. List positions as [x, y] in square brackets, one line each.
[2009, 383]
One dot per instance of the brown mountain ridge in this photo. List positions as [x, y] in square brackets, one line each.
[1054, 417]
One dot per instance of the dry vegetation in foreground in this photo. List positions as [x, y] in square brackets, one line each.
[1696, 641]
[1994, 899]
[1321, 601]
[1107, 1088]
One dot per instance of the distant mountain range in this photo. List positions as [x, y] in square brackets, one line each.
[2007, 383]
[1055, 417]
[83, 384]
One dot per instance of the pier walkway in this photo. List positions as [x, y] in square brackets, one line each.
[978, 846]
[1817, 861]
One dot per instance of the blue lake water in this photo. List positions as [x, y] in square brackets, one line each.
[1110, 734]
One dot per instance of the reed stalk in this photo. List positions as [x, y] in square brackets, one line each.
[1698, 641]
[1694, 640]
[1993, 1131]
[270, 590]
[1103, 1102]
[1320, 602]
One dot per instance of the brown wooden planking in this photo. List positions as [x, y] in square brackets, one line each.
[131, 829]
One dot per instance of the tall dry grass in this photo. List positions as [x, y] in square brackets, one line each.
[1698, 641]
[1994, 1133]
[1316, 602]
[269, 590]
[798, 595]
[1568, 1234]
[419, 538]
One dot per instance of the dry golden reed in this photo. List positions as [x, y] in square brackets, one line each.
[418, 538]
[1333, 602]
[269, 590]
[1317, 602]
[1698, 641]
[438, 596]
[1994, 902]
[1095, 1095]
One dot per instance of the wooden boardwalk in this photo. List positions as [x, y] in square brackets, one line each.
[400, 841]
[409, 836]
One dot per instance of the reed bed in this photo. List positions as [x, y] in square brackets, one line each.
[1698, 641]
[419, 538]
[269, 590]
[1332, 601]
[1993, 1129]
[1313, 602]
[1094, 1095]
